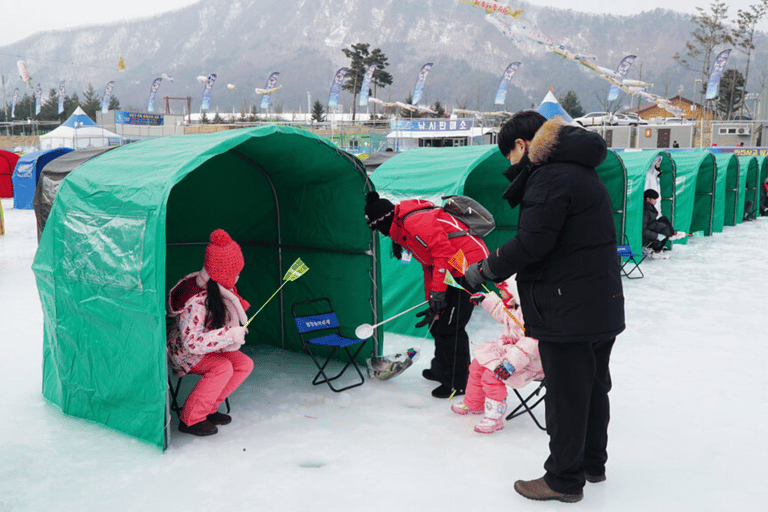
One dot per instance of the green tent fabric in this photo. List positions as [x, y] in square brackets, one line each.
[736, 185]
[430, 173]
[630, 189]
[752, 185]
[694, 191]
[127, 225]
[726, 163]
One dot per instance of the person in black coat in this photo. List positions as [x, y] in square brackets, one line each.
[569, 283]
[656, 230]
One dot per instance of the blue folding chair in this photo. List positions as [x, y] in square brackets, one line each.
[322, 329]
[631, 262]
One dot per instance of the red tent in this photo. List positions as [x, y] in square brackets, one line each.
[7, 165]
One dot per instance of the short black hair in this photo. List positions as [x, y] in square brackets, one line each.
[522, 125]
[650, 193]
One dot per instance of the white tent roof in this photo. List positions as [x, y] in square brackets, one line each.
[78, 132]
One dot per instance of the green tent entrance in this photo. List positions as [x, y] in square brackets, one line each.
[752, 186]
[626, 181]
[726, 163]
[695, 186]
[735, 192]
[126, 225]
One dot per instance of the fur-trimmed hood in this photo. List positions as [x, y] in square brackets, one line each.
[558, 141]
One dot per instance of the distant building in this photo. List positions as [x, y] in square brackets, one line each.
[652, 110]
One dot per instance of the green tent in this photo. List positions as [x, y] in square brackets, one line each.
[752, 186]
[694, 191]
[126, 226]
[726, 163]
[431, 173]
[627, 191]
[735, 192]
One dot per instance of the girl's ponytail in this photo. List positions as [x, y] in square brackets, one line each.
[217, 311]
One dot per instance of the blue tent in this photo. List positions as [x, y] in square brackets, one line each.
[550, 107]
[27, 172]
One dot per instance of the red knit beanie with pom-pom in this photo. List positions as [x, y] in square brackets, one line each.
[223, 259]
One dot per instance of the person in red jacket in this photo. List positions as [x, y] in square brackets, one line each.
[433, 237]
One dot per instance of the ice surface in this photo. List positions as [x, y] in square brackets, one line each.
[689, 413]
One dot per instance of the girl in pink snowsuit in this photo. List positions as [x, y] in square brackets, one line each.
[510, 360]
[205, 334]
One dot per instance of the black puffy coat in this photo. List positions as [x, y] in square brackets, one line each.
[564, 253]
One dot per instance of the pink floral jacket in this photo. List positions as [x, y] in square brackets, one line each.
[188, 340]
[513, 345]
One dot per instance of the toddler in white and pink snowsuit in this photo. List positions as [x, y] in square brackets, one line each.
[510, 360]
[205, 334]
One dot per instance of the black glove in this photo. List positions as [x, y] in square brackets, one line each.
[503, 372]
[437, 301]
[477, 274]
[428, 315]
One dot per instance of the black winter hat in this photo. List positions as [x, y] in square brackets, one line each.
[379, 212]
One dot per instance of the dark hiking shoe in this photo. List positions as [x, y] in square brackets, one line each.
[539, 490]
[443, 391]
[427, 374]
[219, 418]
[201, 428]
[594, 479]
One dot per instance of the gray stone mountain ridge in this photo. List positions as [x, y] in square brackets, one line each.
[243, 41]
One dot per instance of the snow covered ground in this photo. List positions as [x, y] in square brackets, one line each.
[689, 413]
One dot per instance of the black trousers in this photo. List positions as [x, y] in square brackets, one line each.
[451, 361]
[577, 409]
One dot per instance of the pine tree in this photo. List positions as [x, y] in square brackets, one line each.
[318, 112]
[354, 77]
[438, 108]
[91, 102]
[571, 104]
[730, 93]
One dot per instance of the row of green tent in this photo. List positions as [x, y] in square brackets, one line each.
[124, 225]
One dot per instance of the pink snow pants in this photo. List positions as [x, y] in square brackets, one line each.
[222, 373]
[480, 384]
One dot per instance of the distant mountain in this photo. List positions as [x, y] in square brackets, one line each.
[243, 41]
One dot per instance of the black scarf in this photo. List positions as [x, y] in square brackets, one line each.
[518, 175]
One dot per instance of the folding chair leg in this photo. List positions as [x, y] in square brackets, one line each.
[175, 407]
[328, 380]
[524, 407]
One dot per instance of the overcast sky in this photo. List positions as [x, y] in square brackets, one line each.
[22, 18]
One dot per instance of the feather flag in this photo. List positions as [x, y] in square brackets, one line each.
[207, 91]
[338, 79]
[62, 94]
[14, 101]
[717, 71]
[366, 86]
[271, 81]
[38, 99]
[501, 93]
[152, 91]
[621, 71]
[107, 97]
[418, 89]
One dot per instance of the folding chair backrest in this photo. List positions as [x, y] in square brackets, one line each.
[624, 250]
[314, 323]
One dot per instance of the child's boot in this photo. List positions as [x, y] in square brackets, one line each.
[494, 416]
[462, 408]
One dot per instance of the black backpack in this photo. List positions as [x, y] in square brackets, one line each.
[477, 218]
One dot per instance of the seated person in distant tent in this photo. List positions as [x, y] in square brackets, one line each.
[656, 230]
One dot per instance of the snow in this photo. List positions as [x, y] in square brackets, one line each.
[687, 424]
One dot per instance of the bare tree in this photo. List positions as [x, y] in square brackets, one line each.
[743, 36]
[710, 32]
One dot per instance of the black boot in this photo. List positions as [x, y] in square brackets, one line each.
[443, 391]
[429, 375]
[219, 418]
[201, 428]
